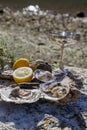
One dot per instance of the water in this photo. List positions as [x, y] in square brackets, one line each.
[63, 6]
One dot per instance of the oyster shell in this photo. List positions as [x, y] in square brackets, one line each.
[54, 91]
[19, 96]
[6, 74]
[49, 122]
[40, 64]
[44, 76]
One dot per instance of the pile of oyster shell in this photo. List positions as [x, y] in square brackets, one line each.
[46, 84]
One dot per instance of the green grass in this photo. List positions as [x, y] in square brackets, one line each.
[6, 57]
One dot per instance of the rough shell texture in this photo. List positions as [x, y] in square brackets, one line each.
[49, 122]
[40, 64]
[72, 96]
[6, 74]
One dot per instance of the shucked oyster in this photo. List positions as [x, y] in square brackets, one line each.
[43, 76]
[19, 96]
[54, 90]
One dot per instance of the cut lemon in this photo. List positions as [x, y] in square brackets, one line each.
[23, 74]
[21, 62]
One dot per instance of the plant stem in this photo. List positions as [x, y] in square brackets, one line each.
[61, 64]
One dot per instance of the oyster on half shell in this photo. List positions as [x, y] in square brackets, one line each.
[54, 91]
[44, 76]
[20, 96]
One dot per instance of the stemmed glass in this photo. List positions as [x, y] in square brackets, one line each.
[62, 38]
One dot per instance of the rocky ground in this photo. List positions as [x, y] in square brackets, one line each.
[25, 34]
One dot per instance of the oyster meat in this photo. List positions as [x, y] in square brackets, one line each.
[54, 90]
[19, 96]
[44, 76]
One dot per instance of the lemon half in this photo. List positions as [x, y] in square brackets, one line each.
[21, 62]
[23, 74]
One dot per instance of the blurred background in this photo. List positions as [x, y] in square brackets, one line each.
[24, 33]
[63, 6]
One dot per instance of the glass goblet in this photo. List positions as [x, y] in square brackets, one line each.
[62, 38]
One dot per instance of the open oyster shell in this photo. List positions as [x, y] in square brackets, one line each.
[54, 91]
[20, 96]
[44, 76]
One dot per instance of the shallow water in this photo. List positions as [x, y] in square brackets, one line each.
[63, 6]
